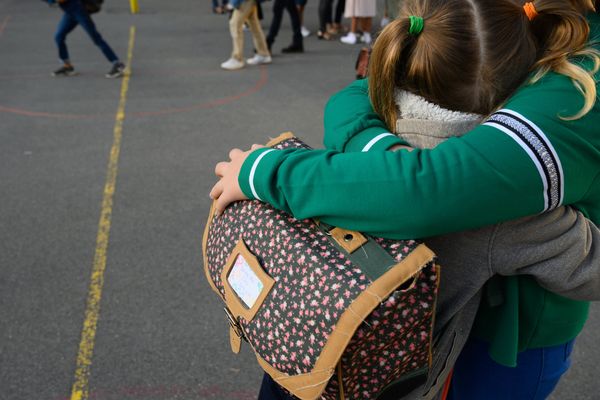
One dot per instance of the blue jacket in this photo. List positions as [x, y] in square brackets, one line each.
[238, 3]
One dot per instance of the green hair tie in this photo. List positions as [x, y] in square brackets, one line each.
[416, 25]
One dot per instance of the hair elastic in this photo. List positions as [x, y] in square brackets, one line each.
[416, 25]
[530, 10]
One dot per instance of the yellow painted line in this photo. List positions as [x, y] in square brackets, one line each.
[80, 389]
[135, 8]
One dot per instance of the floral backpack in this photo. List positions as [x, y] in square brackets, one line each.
[329, 313]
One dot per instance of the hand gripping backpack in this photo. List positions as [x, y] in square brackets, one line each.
[329, 313]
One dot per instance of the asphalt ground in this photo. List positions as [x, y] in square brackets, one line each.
[111, 178]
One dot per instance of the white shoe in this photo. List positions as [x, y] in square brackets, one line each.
[232, 64]
[258, 59]
[305, 32]
[366, 38]
[350, 38]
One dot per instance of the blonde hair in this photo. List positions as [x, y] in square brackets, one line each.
[473, 54]
[563, 38]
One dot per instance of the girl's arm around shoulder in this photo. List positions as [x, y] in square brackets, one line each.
[351, 124]
[463, 183]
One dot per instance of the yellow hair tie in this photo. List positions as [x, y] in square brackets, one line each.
[530, 10]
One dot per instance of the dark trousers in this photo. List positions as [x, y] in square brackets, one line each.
[75, 14]
[290, 6]
[325, 13]
[269, 390]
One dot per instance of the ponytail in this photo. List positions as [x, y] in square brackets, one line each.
[563, 32]
[430, 51]
[384, 69]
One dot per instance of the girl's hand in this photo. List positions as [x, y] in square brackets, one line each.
[227, 189]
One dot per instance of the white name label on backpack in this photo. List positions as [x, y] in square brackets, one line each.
[244, 282]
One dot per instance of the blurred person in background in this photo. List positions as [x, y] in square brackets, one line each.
[75, 13]
[330, 24]
[246, 11]
[297, 45]
[361, 12]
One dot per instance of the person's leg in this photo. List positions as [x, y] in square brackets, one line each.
[269, 390]
[351, 37]
[325, 7]
[258, 37]
[88, 25]
[236, 28]
[339, 11]
[300, 9]
[65, 26]
[366, 24]
[300, 5]
[290, 5]
[477, 376]
[278, 6]
[354, 25]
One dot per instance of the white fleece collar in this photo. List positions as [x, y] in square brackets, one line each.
[425, 124]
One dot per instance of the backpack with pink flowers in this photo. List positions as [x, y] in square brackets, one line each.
[329, 313]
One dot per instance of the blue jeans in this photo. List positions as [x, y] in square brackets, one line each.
[75, 14]
[477, 376]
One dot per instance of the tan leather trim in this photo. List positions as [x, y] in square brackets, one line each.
[280, 138]
[309, 386]
[235, 305]
[348, 240]
[234, 341]
[211, 214]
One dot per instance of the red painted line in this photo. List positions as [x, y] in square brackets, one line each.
[3, 25]
[40, 114]
[210, 104]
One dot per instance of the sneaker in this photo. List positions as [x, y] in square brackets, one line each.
[65, 70]
[350, 38]
[305, 32]
[366, 38]
[293, 48]
[116, 71]
[232, 64]
[258, 59]
[324, 35]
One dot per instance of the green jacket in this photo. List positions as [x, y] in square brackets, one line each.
[522, 161]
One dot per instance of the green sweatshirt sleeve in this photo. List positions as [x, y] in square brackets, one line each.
[400, 194]
[351, 124]
[523, 161]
